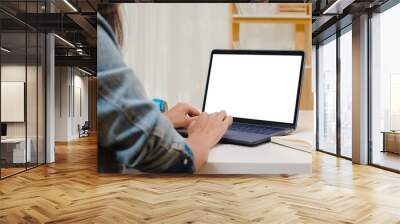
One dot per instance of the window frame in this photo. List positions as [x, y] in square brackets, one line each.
[333, 37]
[380, 9]
[44, 41]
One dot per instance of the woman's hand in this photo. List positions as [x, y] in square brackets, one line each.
[181, 115]
[205, 132]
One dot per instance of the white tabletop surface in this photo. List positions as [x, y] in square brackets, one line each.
[12, 140]
[268, 158]
[265, 159]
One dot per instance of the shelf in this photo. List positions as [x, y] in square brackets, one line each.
[276, 16]
[298, 15]
[279, 18]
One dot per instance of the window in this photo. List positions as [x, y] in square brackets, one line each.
[346, 93]
[335, 74]
[385, 89]
[22, 78]
[327, 96]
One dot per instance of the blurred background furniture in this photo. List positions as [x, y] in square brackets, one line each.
[84, 129]
[13, 152]
[391, 141]
[298, 15]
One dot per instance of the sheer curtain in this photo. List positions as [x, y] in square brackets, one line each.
[169, 45]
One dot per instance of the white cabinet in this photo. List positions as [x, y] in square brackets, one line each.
[16, 150]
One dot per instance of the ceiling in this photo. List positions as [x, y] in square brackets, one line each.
[331, 15]
[74, 22]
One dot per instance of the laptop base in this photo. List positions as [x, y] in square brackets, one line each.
[239, 137]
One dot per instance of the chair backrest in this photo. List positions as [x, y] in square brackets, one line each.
[86, 125]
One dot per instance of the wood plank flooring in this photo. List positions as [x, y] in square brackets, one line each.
[10, 171]
[387, 159]
[71, 191]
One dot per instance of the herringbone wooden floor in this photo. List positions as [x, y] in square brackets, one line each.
[71, 191]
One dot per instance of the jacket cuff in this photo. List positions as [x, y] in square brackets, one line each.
[184, 163]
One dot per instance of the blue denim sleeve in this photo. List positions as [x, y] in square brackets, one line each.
[130, 126]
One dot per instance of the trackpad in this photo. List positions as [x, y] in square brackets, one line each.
[244, 138]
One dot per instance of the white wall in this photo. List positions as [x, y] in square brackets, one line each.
[33, 127]
[61, 103]
[79, 117]
[14, 73]
[69, 81]
[169, 45]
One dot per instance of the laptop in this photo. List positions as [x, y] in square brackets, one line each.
[260, 89]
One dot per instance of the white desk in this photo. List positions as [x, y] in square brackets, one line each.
[267, 158]
[18, 149]
[264, 159]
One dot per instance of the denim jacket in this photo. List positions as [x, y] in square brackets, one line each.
[132, 132]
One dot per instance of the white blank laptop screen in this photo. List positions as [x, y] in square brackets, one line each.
[260, 87]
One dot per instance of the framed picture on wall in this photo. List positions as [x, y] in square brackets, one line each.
[12, 101]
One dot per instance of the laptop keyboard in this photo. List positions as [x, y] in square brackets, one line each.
[253, 128]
